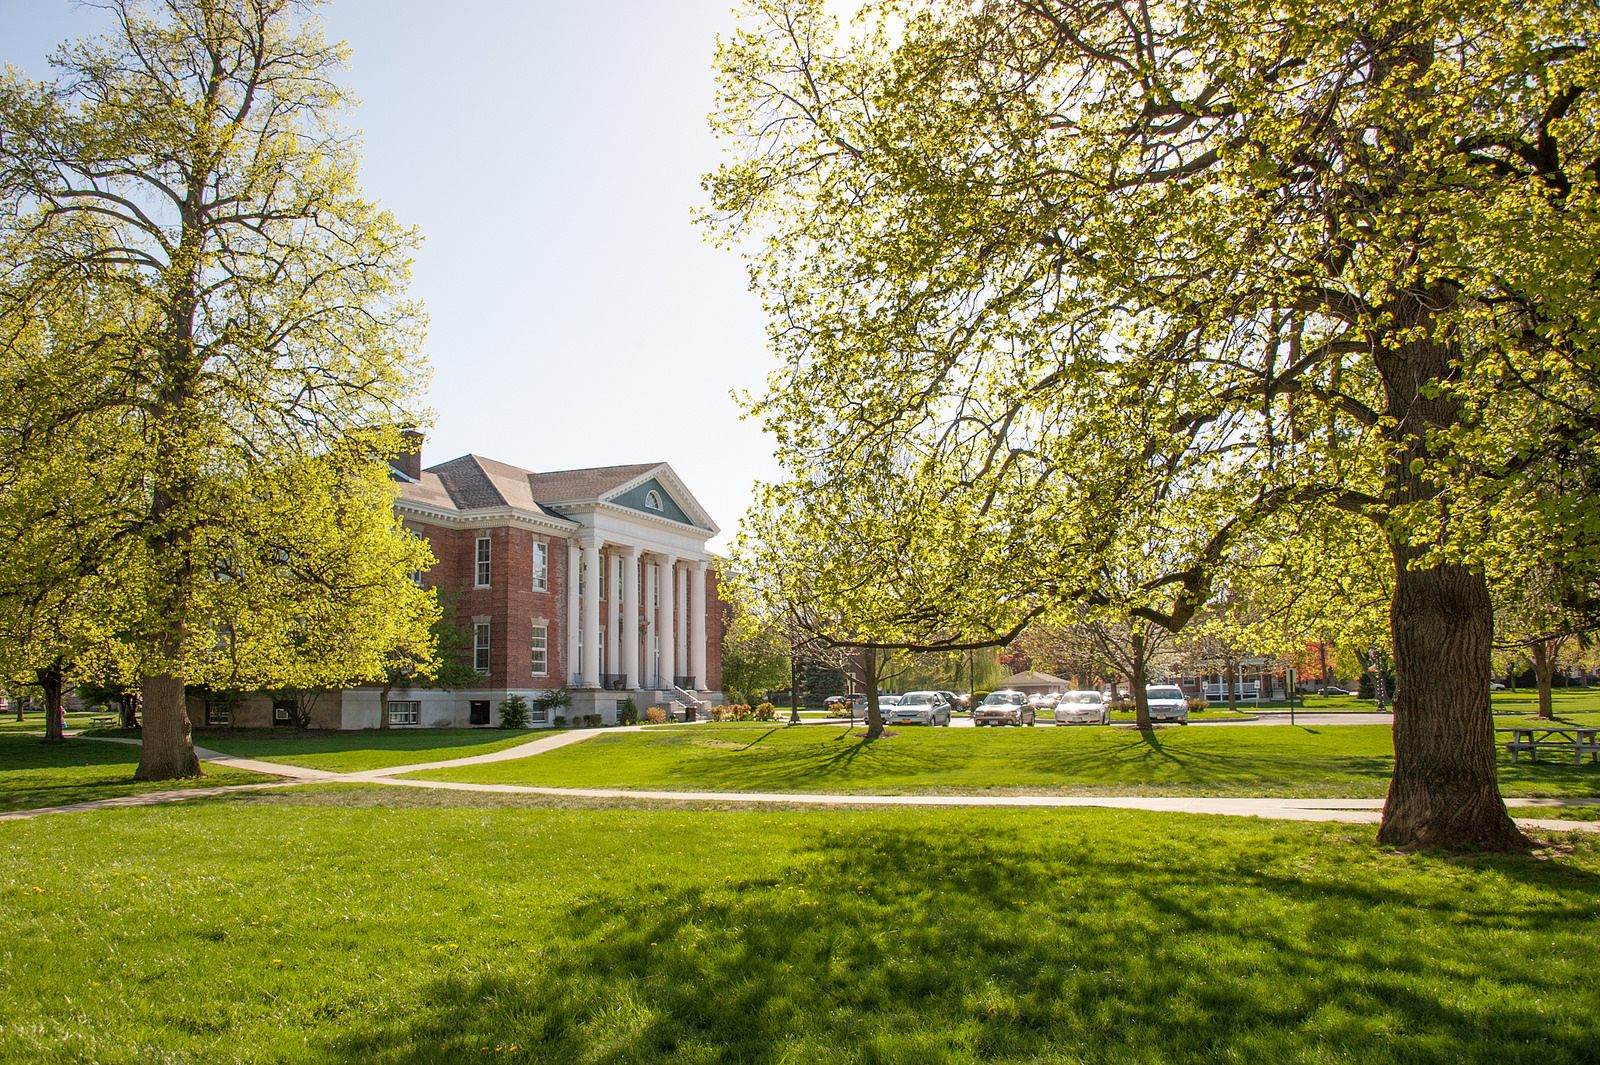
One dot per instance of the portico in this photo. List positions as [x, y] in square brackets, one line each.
[635, 634]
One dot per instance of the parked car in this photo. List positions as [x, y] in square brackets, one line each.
[1004, 708]
[919, 708]
[1496, 686]
[1082, 708]
[958, 702]
[1332, 690]
[1044, 701]
[1167, 703]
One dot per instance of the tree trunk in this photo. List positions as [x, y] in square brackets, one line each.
[1233, 685]
[1543, 666]
[383, 704]
[1444, 791]
[167, 752]
[1141, 698]
[50, 682]
[869, 677]
[128, 704]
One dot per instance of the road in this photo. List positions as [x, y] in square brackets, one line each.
[1262, 717]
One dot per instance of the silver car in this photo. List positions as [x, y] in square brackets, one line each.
[1167, 703]
[918, 708]
[1004, 708]
[1082, 708]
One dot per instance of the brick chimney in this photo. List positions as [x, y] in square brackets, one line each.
[409, 460]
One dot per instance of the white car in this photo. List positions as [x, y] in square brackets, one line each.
[918, 708]
[1082, 708]
[1167, 703]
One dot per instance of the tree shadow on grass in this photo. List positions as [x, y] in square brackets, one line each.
[916, 946]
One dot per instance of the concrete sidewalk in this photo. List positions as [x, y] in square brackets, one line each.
[1356, 811]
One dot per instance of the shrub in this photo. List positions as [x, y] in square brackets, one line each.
[655, 715]
[628, 712]
[591, 720]
[766, 712]
[740, 712]
[1123, 706]
[842, 709]
[514, 712]
[1198, 704]
[560, 721]
[553, 699]
[717, 713]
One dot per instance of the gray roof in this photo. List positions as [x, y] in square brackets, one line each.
[473, 482]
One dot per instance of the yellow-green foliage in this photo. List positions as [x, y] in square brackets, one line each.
[216, 390]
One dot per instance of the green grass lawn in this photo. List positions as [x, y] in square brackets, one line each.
[35, 774]
[352, 752]
[32, 723]
[300, 927]
[1351, 761]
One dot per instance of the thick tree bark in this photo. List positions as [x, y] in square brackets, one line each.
[1233, 685]
[383, 704]
[1444, 792]
[869, 679]
[50, 680]
[1543, 666]
[1141, 677]
[128, 704]
[167, 752]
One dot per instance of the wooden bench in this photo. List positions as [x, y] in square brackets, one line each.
[1530, 740]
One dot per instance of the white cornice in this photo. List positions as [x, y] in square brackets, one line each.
[487, 516]
[642, 516]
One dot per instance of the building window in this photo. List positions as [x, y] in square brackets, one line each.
[404, 711]
[219, 713]
[605, 564]
[480, 649]
[537, 713]
[541, 567]
[483, 562]
[541, 651]
[652, 500]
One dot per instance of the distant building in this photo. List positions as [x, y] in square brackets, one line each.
[597, 580]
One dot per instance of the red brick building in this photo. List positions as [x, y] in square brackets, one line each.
[597, 580]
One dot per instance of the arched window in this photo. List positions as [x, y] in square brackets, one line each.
[652, 500]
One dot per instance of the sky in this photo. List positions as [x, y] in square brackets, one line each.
[551, 154]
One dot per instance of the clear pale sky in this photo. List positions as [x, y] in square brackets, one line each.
[551, 154]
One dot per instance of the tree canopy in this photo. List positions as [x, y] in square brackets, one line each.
[188, 172]
[1037, 257]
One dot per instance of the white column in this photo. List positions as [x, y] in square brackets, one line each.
[630, 616]
[590, 672]
[680, 590]
[571, 666]
[697, 626]
[614, 617]
[650, 668]
[669, 661]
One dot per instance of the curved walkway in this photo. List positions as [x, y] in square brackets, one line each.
[1359, 811]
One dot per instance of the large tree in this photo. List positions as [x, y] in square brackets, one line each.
[1350, 245]
[191, 164]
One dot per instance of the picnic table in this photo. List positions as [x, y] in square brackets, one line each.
[1567, 739]
[102, 722]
